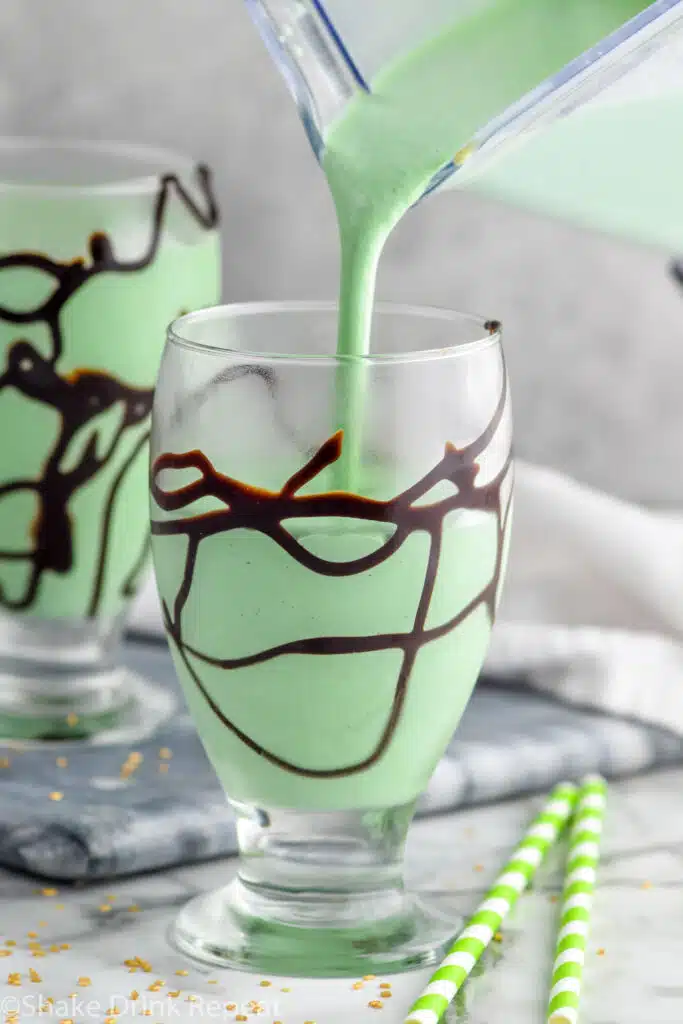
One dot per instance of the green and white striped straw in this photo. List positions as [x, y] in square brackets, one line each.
[577, 901]
[515, 877]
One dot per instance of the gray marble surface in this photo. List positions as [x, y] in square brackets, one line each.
[633, 973]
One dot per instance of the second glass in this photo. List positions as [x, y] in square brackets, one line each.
[100, 246]
[329, 538]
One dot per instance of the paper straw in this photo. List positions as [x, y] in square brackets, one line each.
[515, 877]
[577, 900]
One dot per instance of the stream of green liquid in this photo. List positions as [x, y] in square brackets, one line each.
[385, 148]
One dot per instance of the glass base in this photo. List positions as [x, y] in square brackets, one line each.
[114, 707]
[221, 929]
[318, 894]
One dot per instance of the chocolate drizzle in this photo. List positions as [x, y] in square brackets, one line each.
[80, 397]
[265, 511]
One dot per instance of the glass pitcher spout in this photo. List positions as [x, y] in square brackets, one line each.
[547, 57]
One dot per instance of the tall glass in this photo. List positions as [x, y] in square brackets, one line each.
[328, 635]
[100, 246]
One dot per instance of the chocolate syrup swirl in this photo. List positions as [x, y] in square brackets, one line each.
[80, 397]
[265, 511]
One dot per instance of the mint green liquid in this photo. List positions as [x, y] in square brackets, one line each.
[113, 325]
[328, 711]
[612, 168]
[383, 151]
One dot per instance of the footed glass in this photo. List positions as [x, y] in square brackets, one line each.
[329, 538]
[101, 244]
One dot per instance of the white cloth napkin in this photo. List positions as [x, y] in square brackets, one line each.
[593, 604]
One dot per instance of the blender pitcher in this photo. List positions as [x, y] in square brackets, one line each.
[540, 59]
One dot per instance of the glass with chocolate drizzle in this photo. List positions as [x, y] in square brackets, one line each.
[101, 245]
[328, 619]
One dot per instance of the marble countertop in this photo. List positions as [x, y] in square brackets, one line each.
[633, 973]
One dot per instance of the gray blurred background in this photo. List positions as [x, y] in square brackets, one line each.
[594, 328]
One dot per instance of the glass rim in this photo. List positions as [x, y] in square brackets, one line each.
[491, 331]
[140, 182]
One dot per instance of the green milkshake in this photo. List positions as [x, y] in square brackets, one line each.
[89, 277]
[613, 167]
[320, 705]
[381, 154]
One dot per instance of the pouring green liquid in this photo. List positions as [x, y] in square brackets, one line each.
[383, 151]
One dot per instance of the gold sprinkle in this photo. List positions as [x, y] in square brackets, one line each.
[66, 1020]
[59, 906]
[357, 985]
[182, 973]
[133, 908]
[110, 898]
[54, 948]
[165, 753]
[385, 994]
[34, 945]
[256, 1007]
[601, 952]
[56, 796]
[72, 719]
[5, 952]
[32, 935]
[231, 1006]
[478, 867]
[50, 1000]
[191, 999]
[62, 762]
[5, 762]
[241, 1016]
[554, 899]
[134, 995]
[285, 990]
[64, 945]
[49, 892]
[33, 975]
[265, 984]
[369, 977]
[14, 978]
[146, 1013]
[38, 953]
[385, 984]
[110, 1020]
[646, 885]
[375, 1004]
[154, 987]
[212, 981]
[464, 154]
[175, 994]
[84, 981]
[105, 907]
[10, 942]
[163, 768]
[42, 924]
[497, 936]
[114, 1010]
